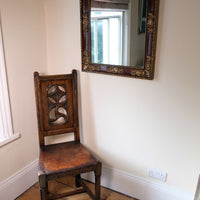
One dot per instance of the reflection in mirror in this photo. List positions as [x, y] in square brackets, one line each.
[118, 32]
[118, 37]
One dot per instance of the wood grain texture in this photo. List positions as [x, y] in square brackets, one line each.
[57, 113]
[75, 156]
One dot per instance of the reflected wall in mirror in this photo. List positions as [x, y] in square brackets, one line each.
[119, 37]
[118, 32]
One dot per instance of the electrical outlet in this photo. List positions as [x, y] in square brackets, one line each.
[157, 174]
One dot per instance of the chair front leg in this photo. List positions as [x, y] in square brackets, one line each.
[98, 182]
[43, 187]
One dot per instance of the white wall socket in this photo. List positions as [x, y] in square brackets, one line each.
[157, 174]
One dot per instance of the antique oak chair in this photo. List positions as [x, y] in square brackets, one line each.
[57, 113]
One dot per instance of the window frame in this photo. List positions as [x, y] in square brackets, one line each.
[6, 135]
[120, 33]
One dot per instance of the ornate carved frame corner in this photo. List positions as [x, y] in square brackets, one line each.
[147, 72]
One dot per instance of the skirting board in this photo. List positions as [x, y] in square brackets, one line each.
[19, 182]
[137, 187]
[117, 180]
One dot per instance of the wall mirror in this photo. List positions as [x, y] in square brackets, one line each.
[118, 37]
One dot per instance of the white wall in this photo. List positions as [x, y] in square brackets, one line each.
[130, 124]
[25, 51]
[134, 124]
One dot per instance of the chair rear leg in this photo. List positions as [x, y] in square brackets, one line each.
[43, 187]
[98, 182]
[77, 180]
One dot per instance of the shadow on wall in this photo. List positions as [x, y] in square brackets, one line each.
[86, 117]
[89, 137]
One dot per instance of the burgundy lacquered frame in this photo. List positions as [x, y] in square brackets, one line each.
[147, 72]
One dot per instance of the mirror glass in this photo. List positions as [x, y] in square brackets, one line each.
[118, 32]
[118, 37]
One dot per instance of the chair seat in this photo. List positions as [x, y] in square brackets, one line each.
[63, 157]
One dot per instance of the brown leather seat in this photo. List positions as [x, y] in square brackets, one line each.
[75, 157]
[57, 113]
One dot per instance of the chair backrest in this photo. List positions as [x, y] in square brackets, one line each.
[57, 105]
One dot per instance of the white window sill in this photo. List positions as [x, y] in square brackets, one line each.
[8, 140]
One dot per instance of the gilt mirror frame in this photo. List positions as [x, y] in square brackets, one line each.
[147, 71]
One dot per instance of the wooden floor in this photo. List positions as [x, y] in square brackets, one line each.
[66, 184]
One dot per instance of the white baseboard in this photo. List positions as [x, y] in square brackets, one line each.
[138, 187]
[19, 182]
[117, 180]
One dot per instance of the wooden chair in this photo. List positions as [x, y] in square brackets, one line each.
[57, 113]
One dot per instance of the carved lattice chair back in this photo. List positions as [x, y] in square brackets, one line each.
[57, 105]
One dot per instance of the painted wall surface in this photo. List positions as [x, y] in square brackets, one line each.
[134, 124]
[25, 51]
[130, 124]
